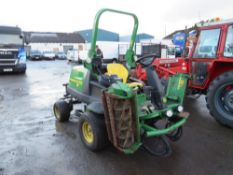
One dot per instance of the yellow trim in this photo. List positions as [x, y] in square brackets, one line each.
[119, 70]
[57, 113]
[134, 84]
[180, 83]
[78, 82]
[87, 132]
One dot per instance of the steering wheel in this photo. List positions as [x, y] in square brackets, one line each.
[146, 60]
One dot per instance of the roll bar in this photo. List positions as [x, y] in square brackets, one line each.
[130, 53]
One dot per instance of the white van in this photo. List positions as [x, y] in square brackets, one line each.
[73, 55]
[168, 52]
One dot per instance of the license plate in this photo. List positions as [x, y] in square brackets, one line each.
[8, 70]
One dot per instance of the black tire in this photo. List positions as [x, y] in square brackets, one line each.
[62, 110]
[98, 130]
[219, 99]
[157, 146]
[175, 135]
[23, 72]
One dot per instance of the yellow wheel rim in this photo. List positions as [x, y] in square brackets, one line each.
[87, 132]
[57, 113]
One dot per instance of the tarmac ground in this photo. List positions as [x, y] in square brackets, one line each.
[33, 142]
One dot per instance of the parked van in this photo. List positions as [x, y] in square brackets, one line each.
[73, 55]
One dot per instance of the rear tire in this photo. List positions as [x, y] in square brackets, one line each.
[62, 110]
[219, 99]
[93, 132]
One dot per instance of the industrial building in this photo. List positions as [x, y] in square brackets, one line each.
[55, 42]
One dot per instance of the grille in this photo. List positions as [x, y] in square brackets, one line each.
[8, 54]
[8, 62]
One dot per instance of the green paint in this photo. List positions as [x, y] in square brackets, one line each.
[121, 90]
[141, 99]
[77, 78]
[138, 98]
[152, 132]
[129, 54]
[132, 149]
[142, 112]
[176, 88]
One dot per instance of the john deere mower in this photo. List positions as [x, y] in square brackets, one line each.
[119, 108]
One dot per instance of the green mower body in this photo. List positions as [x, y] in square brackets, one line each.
[126, 112]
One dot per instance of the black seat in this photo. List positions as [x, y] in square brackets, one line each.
[106, 80]
[156, 87]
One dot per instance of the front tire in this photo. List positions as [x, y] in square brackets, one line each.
[23, 72]
[220, 99]
[62, 110]
[93, 132]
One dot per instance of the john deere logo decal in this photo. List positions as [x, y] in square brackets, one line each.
[181, 83]
[77, 81]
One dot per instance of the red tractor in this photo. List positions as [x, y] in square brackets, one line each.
[209, 65]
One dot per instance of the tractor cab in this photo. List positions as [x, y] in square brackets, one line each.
[209, 65]
[211, 54]
[203, 54]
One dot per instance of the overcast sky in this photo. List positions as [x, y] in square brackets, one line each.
[74, 15]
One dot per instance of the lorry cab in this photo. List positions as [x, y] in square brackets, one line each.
[12, 52]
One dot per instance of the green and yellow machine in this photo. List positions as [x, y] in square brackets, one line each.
[120, 108]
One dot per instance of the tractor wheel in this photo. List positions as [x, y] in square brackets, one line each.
[62, 110]
[93, 132]
[219, 99]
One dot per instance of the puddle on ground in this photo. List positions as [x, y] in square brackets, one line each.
[1, 97]
[70, 129]
[19, 92]
[1, 94]
[1, 171]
